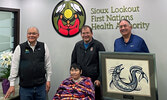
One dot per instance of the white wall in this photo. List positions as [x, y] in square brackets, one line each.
[38, 13]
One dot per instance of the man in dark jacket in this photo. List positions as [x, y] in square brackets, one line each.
[85, 53]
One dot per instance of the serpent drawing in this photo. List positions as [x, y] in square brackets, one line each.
[133, 79]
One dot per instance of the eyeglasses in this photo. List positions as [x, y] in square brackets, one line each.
[32, 33]
[121, 26]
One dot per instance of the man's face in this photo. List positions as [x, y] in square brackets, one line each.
[32, 35]
[86, 35]
[125, 28]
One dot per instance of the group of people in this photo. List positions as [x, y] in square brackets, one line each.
[31, 63]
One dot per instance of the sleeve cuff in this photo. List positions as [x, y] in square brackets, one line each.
[48, 79]
[12, 84]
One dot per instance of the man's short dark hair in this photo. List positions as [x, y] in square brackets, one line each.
[126, 21]
[86, 26]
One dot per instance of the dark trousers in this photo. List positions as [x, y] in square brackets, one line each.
[16, 98]
[34, 93]
[98, 93]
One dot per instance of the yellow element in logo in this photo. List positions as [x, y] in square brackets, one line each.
[68, 13]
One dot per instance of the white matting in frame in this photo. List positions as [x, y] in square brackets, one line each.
[143, 87]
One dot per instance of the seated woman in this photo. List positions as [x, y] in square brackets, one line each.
[75, 87]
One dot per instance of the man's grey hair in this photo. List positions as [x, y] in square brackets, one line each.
[126, 21]
[33, 27]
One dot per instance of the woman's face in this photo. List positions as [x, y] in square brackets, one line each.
[75, 73]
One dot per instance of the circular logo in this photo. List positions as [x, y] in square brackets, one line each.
[68, 17]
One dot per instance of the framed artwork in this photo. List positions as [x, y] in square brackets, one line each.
[129, 76]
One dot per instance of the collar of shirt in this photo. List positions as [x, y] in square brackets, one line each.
[32, 47]
[86, 45]
[130, 40]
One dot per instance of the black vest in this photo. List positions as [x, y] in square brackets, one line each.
[32, 63]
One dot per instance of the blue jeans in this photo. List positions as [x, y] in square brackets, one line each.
[34, 93]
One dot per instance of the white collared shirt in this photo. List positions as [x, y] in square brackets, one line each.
[16, 60]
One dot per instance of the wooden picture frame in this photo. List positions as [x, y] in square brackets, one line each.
[129, 76]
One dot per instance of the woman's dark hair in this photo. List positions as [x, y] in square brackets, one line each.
[75, 66]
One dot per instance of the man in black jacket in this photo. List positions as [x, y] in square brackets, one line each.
[85, 53]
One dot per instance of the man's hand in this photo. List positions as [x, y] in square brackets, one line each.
[47, 86]
[97, 82]
[10, 91]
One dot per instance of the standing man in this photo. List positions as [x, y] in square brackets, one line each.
[85, 53]
[31, 62]
[129, 42]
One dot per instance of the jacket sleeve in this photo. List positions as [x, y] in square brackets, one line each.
[74, 56]
[15, 66]
[115, 46]
[101, 48]
[47, 64]
[144, 47]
